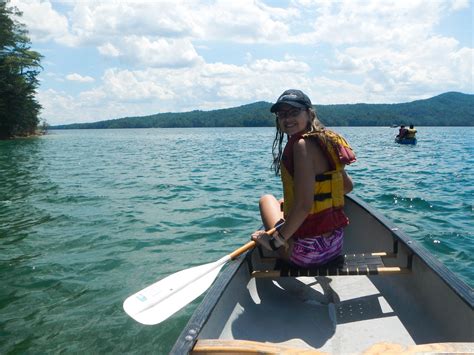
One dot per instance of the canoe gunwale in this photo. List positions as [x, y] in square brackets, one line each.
[190, 332]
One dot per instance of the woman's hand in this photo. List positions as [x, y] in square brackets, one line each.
[263, 238]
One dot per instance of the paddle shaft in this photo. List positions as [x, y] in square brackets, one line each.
[248, 246]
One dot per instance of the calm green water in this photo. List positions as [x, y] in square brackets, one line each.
[89, 217]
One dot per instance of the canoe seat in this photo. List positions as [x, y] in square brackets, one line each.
[347, 264]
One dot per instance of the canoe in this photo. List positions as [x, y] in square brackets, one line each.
[405, 140]
[386, 293]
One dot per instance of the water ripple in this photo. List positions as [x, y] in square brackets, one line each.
[88, 217]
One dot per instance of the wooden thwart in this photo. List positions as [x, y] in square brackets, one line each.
[348, 264]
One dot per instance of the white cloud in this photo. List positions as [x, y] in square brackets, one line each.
[207, 86]
[248, 21]
[57, 106]
[437, 63]
[126, 85]
[167, 55]
[276, 67]
[148, 52]
[459, 4]
[393, 22]
[243, 21]
[79, 78]
[93, 22]
[44, 23]
[109, 50]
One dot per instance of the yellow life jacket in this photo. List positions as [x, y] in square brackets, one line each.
[411, 132]
[327, 211]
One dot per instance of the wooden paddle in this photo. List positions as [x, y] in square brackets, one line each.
[157, 302]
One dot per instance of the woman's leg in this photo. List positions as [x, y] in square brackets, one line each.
[270, 211]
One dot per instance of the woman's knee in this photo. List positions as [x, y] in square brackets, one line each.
[266, 200]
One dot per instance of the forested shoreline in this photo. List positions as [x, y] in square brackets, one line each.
[448, 109]
[19, 67]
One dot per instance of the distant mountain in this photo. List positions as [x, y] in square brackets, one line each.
[448, 109]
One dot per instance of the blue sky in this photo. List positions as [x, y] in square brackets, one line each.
[109, 59]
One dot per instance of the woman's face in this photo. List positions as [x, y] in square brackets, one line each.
[292, 120]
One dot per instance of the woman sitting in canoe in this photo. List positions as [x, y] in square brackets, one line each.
[314, 183]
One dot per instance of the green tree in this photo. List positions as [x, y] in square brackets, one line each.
[19, 67]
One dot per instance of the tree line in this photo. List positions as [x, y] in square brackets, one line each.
[448, 109]
[19, 67]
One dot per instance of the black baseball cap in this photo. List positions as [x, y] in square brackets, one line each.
[295, 98]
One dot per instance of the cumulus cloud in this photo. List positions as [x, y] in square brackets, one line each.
[152, 90]
[273, 66]
[459, 4]
[437, 64]
[244, 21]
[79, 78]
[160, 52]
[90, 22]
[172, 55]
[109, 50]
[95, 21]
[44, 23]
[394, 22]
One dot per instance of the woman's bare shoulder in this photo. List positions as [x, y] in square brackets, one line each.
[310, 146]
[310, 150]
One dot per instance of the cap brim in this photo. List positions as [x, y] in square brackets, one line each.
[276, 106]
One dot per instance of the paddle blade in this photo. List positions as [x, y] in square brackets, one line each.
[159, 301]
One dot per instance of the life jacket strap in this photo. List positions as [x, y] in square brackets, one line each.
[322, 197]
[322, 177]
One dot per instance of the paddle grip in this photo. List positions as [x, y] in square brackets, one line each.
[248, 246]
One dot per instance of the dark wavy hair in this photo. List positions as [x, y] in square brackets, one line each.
[314, 125]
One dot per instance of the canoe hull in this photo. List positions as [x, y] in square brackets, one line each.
[411, 141]
[338, 314]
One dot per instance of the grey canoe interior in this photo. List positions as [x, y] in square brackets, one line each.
[411, 303]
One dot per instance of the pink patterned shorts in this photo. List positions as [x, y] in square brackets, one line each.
[317, 250]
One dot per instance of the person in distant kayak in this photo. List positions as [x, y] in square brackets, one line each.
[411, 133]
[402, 132]
[310, 218]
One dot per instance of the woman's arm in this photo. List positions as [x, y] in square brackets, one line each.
[304, 173]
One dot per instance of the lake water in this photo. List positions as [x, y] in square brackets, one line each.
[88, 217]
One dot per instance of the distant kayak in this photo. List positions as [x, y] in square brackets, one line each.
[405, 140]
